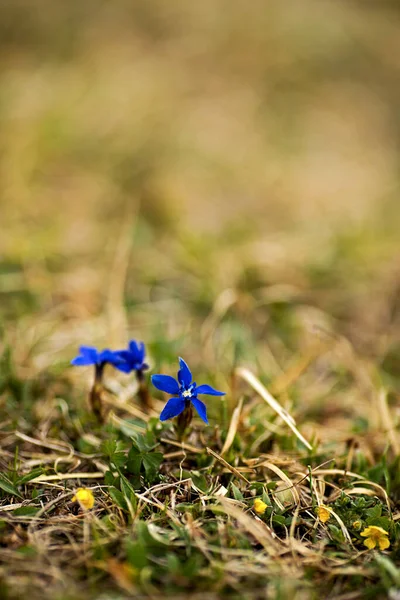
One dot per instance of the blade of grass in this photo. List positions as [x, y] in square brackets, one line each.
[269, 399]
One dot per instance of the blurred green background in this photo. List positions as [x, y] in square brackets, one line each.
[164, 164]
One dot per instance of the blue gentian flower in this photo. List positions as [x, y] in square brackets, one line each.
[133, 358]
[88, 355]
[185, 391]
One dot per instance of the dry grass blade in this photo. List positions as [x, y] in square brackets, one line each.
[233, 427]
[60, 446]
[257, 528]
[8, 507]
[342, 526]
[286, 379]
[52, 503]
[359, 478]
[269, 399]
[388, 422]
[66, 476]
[182, 445]
[127, 408]
[321, 471]
[223, 302]
[118, 274]
[290, 485]
[227, 465]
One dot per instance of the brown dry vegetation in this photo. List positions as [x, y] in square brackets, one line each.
[220, 180]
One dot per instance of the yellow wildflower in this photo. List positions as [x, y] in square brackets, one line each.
[357, 525]
[259, 506]
[84, 497]
[375, 535]
[324, 513]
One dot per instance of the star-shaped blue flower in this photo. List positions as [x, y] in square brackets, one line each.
[185, 391]
[133, 358]
[88, 355]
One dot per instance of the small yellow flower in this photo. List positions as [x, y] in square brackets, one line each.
[375, 535]
[84, 497]
[259, 506]
[324, 513]
[357, 525]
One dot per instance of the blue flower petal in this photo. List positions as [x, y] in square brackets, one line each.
[122, 361]
[201, 409]
[133, 346]
[89, 351]
[184, 374]
[135, 350]
[165, 383]
[131, 359]
[108, 356]
[123, 366]
[83, 361]
[207, 389]
[88, 355]
[124, 354]
[85, 349]
[173, 408]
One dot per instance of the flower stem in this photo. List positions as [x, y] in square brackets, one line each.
[143, 392]
[184, 420]
[95, 396]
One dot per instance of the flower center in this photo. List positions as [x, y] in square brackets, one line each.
[187, 393]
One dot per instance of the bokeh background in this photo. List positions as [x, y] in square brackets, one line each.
[195, 173]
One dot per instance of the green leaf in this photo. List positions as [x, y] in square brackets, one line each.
[152, 462]
[374, 512]
[146, 537]
[278, 519]
[383, 522]
[336, 533]
[29, 476]
[136, 554]
[376, 473]
[192, 566]
[144, 443]
[129, 426]
[114, 451]
[138, 442]
[271, 485]
[237, 494]
[118, 459]
[185, 507]
[118, 497]
[387, 565]
[134, 462]
[26, 511]
[134, 451]
[199, 481]
[173, 564]
[109, 448]
[150, 440]
[27, 551]
[7, 486]
[109, 478]
[128, 491]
